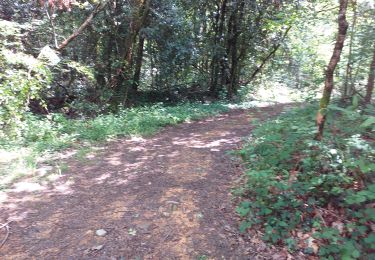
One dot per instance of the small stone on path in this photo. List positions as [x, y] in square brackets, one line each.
[101, 232]
[144, 226]
[97, 248]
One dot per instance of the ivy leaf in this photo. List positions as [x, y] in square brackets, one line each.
[368, 122]
[244, 225]
[356, 253]
[242, 211]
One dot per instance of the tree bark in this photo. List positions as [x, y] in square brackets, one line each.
[335, 58]
[370, 81]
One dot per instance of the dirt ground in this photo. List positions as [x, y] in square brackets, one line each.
[163, 197]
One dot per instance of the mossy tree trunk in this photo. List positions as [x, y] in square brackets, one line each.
[335, 58]
[370, 81]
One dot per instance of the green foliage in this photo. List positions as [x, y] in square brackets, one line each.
[22, 77]
[56, 132]
[295, 184]
[39, 138]
[82, 69]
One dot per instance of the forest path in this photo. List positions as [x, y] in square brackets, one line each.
[163, 197]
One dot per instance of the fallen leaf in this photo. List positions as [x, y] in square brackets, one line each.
[132, 231]
[312, 244]
[339, 226]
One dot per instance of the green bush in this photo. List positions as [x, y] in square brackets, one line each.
[325, 189]
[22, 77]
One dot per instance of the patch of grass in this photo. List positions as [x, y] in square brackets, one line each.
[82, 153]
[56, 132]
[41, 136]
[14, 165]
[62, 168]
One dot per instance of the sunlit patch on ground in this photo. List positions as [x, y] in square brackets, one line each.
[18, 167]
[274, 94]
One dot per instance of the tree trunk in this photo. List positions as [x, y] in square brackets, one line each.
[235, 68]
[328, 84]
[138, 64]
[370, 81]
[125, 73]
[229, 44]
[218, 44]
[348, 82]
[141, 40]
[235, 18]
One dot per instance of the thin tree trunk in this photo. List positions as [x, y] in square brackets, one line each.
[349, 70]
[328, 84]
[235, 69]
[151, 54]
[213, 76]
[370, 81]
[215, 63]
[138, 64]
[234, 31]
[265, 59]
[141, 39]
[50, 18]
[230, 45]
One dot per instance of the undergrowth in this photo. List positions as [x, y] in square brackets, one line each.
[36, 135]
[55, 131]
[308, 195]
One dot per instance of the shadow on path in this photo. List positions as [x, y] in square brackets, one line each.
[163, 197]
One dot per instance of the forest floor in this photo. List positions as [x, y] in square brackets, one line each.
[163, 197]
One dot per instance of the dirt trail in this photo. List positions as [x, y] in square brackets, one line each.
[163, 197]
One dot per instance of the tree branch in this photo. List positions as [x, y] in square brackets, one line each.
[88, 20]
[265, 59]
[50, 18]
